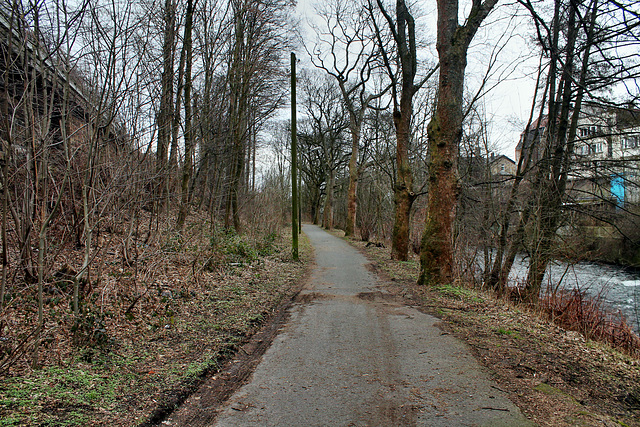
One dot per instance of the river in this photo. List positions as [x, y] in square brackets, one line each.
[619, 288]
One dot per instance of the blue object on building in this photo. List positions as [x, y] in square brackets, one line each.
[617, 189]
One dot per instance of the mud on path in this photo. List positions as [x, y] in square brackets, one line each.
[350, 354]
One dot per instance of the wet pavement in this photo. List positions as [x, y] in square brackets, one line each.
[353, 355]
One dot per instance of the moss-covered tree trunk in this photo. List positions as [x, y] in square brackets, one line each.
[445, 132]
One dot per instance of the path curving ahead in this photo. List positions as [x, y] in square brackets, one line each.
[351, 355]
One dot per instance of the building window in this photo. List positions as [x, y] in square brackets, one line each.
[590, 131]
[598, 147]
[630, 142]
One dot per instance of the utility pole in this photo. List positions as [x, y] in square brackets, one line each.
[294, 162]
[299, 203]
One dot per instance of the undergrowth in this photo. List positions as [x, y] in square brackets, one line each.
[146, 324]
[578, 311]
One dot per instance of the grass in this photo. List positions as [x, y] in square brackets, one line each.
[459, 292]
[199, 367]
[61, 396]
[503, 331]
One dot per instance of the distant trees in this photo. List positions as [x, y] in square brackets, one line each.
[240, 57]
[345, 48]
[108, 125]
[322, 141]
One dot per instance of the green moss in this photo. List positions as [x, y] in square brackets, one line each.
[547, 389]
[503, 331]
[10, 420]
[552, 391]
[456, 292]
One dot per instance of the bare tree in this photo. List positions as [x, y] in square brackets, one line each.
[403, 89]
[445, 132]
[577, 41]
[256, 64]
[568, 82]
[189, 143]
[166, 109]
[345, 48]
[322, 137]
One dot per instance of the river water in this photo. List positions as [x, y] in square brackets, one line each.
[619, 288]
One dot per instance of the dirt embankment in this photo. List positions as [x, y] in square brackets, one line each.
[150, 340]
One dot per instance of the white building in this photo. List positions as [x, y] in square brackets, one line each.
[606, 156]
[606, 152]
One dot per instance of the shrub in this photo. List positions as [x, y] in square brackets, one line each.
[577, 311]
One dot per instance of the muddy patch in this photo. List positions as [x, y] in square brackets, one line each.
[390, 412]
[376, 296]
[309, 297]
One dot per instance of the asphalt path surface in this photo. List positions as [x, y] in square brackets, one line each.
[352, 355]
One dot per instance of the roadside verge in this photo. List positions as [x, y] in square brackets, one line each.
[556, 377]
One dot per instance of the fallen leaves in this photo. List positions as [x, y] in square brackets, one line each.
[170, 314]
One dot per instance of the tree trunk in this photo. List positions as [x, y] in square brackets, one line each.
[445, 132]
[403, 190]
[295, 211]
[187, 168]
[352, 193]
[237, 179]
[315, 208]
[327, 220]
[7, 149]
[165, 113]
[171, 172]
[238, 88]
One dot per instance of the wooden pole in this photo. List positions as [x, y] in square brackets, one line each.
[294, 162]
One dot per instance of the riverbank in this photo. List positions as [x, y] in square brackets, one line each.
[604, 244]
[556, 377]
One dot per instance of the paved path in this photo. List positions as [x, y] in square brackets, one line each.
[352, 356]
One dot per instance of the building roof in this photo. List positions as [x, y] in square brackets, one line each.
[495, 159]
